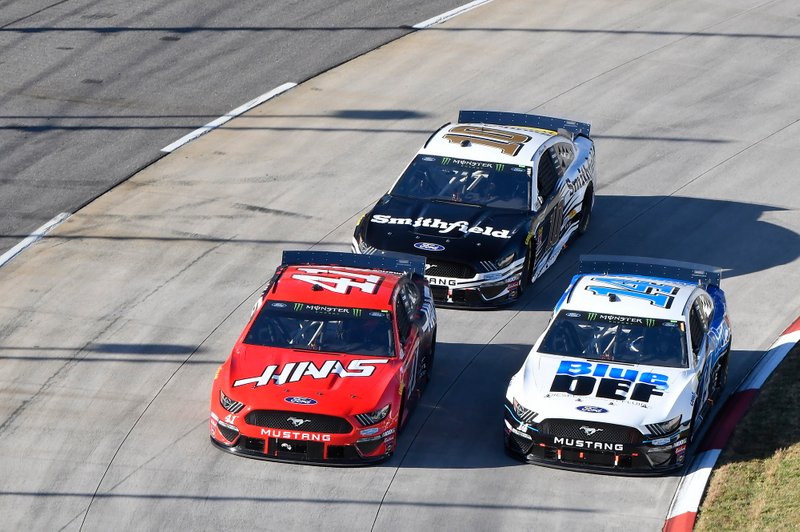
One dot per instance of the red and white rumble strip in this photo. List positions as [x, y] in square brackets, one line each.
[683, 509]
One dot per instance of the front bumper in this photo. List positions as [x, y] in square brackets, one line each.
[278, 444]
[528, 444]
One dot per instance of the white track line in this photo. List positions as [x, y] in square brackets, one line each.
[450, 14]
[224, 118]
[36, 235]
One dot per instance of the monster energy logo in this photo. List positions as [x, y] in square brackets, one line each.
[499, 167]
[445, 160]
[356, 312]
[591, 316]
[649, 322]
[298, 306]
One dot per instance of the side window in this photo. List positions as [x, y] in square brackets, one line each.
[411, 298]
[402, 316]
[547, 173]
[566, 154]
[706, 308]
[696, 329]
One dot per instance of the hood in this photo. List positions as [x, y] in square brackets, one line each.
[288, 379]
[463, 232]
[596, 390]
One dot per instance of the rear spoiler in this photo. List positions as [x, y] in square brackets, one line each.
[522, 120]
[701, 274]
[389, 262]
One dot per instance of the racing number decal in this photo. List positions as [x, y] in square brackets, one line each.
[507, 143]
[556, 220]
[338, 281]
[657, 294]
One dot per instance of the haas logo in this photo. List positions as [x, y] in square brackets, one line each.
[296, 421]
[590, 431]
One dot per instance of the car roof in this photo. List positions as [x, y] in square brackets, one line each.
[447, 143]
[336, 286]
[636, 295]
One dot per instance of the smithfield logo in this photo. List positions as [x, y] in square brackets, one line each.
[300, 400]
[592, 409]
[589, 431]
[429, 246]
[442, 226]
[296, 421]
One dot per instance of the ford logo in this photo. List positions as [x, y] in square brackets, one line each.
[429, 246]
[300, 400]
[592, 409]
[370, 432]
[278, 304]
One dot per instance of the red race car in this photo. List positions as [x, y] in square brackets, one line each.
[338, 349]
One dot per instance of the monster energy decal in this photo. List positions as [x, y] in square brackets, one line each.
[615, 319]
[306, 308]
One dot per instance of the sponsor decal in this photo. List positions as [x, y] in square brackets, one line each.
[608, 382]
[658, 294]
[300, 401]
[338, 281]
[291, 435]
[429, 246]
[591, 445]
[294, 371]
[520, 433]
[573, 314]
[370, 432]
[442, 281]
[443, 226]
[592, 409]
[580, 182]
[278, 304]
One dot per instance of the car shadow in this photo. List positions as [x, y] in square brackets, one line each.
[673, 227]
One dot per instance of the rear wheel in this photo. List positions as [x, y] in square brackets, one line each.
[586, 211]
[720, 377]
[426, 366]
[527, 270]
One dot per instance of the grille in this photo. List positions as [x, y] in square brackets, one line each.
[368, 447]
[229, 434]
[298, 421]
[606, 432]
[439, 293]
[450, 269]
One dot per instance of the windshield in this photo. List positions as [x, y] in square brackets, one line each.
[322, 328]
[463, 181]
[625, 339]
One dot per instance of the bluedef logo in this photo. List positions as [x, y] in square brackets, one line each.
[608, 382]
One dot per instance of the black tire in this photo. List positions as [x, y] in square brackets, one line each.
[527, 270]
[586, 211]
[720, 377]
[425, 368]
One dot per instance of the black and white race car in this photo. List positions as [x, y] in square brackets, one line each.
[635, 355]
[490, 202]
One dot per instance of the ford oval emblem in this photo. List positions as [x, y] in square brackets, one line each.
[300, 401]
[429, 246]
[279, 304]
[592, 409]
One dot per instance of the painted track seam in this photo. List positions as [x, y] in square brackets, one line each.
[228, 116]
[686, 501]
[33, 238]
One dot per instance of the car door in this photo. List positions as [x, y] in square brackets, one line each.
[407, 302]
[699, 314]
[550, 212]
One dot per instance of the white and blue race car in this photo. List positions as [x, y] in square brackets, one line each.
[635, 355]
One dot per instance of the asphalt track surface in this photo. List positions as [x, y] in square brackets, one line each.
[91, 90]
[112, 326]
